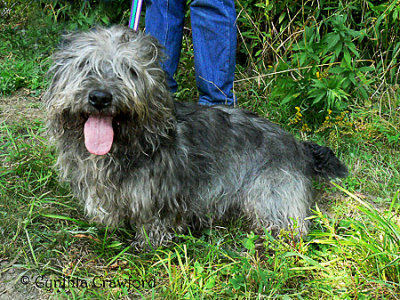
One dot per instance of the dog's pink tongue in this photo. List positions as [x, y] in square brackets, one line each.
[99, 134]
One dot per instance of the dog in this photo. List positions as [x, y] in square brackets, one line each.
[132, 153]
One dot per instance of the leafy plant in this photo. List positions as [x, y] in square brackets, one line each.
[324, 55]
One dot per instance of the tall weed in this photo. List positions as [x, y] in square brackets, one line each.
[321, 56]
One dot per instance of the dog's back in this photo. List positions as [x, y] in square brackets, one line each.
[321, 161]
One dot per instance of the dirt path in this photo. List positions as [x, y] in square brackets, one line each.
[14, 284]
[22, 107]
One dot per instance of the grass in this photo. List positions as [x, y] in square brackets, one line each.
[353, 250]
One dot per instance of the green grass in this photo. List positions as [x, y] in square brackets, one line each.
[352, 251]
[25, 65]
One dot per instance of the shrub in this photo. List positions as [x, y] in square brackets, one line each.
[321, 56]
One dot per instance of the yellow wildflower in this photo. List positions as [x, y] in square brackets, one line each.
[305, 128]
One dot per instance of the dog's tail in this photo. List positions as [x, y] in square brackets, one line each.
[323, 162]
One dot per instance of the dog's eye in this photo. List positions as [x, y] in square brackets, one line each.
[133, 73]
[83, 64]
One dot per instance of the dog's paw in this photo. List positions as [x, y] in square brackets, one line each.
[151, 240]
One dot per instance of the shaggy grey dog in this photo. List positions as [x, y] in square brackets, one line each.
[132, 153]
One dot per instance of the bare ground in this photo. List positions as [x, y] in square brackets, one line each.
[21, 107]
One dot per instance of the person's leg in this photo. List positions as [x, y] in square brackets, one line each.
[164, 20]
[214, 41]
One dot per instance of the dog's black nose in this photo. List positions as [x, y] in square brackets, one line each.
[100, 99]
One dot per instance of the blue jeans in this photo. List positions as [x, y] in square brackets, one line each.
[214, 42]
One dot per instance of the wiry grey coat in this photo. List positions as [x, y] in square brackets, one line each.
[171, 164]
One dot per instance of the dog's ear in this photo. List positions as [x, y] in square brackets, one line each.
[128, 35]
[66, 40]
[62, 53]
[144, 45]
[153, 47]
